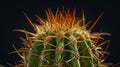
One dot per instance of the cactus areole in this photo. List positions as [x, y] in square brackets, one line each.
[62, 40]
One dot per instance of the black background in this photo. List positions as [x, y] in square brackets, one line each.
[11, 17]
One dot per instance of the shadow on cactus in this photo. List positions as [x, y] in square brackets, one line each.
[62, 40]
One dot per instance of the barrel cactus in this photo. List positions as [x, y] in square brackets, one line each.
[62, 40]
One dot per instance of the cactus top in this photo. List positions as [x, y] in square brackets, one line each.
[62, 23]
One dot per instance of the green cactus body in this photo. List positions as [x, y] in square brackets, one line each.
[61, 40]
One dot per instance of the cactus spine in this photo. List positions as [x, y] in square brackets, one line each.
[62, 40]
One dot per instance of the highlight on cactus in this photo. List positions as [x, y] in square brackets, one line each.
[62, 40]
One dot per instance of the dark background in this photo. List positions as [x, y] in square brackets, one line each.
[11, 17]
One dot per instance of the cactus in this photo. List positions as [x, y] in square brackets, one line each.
[62, 40]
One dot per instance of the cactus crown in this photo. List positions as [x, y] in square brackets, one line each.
[62, 40]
